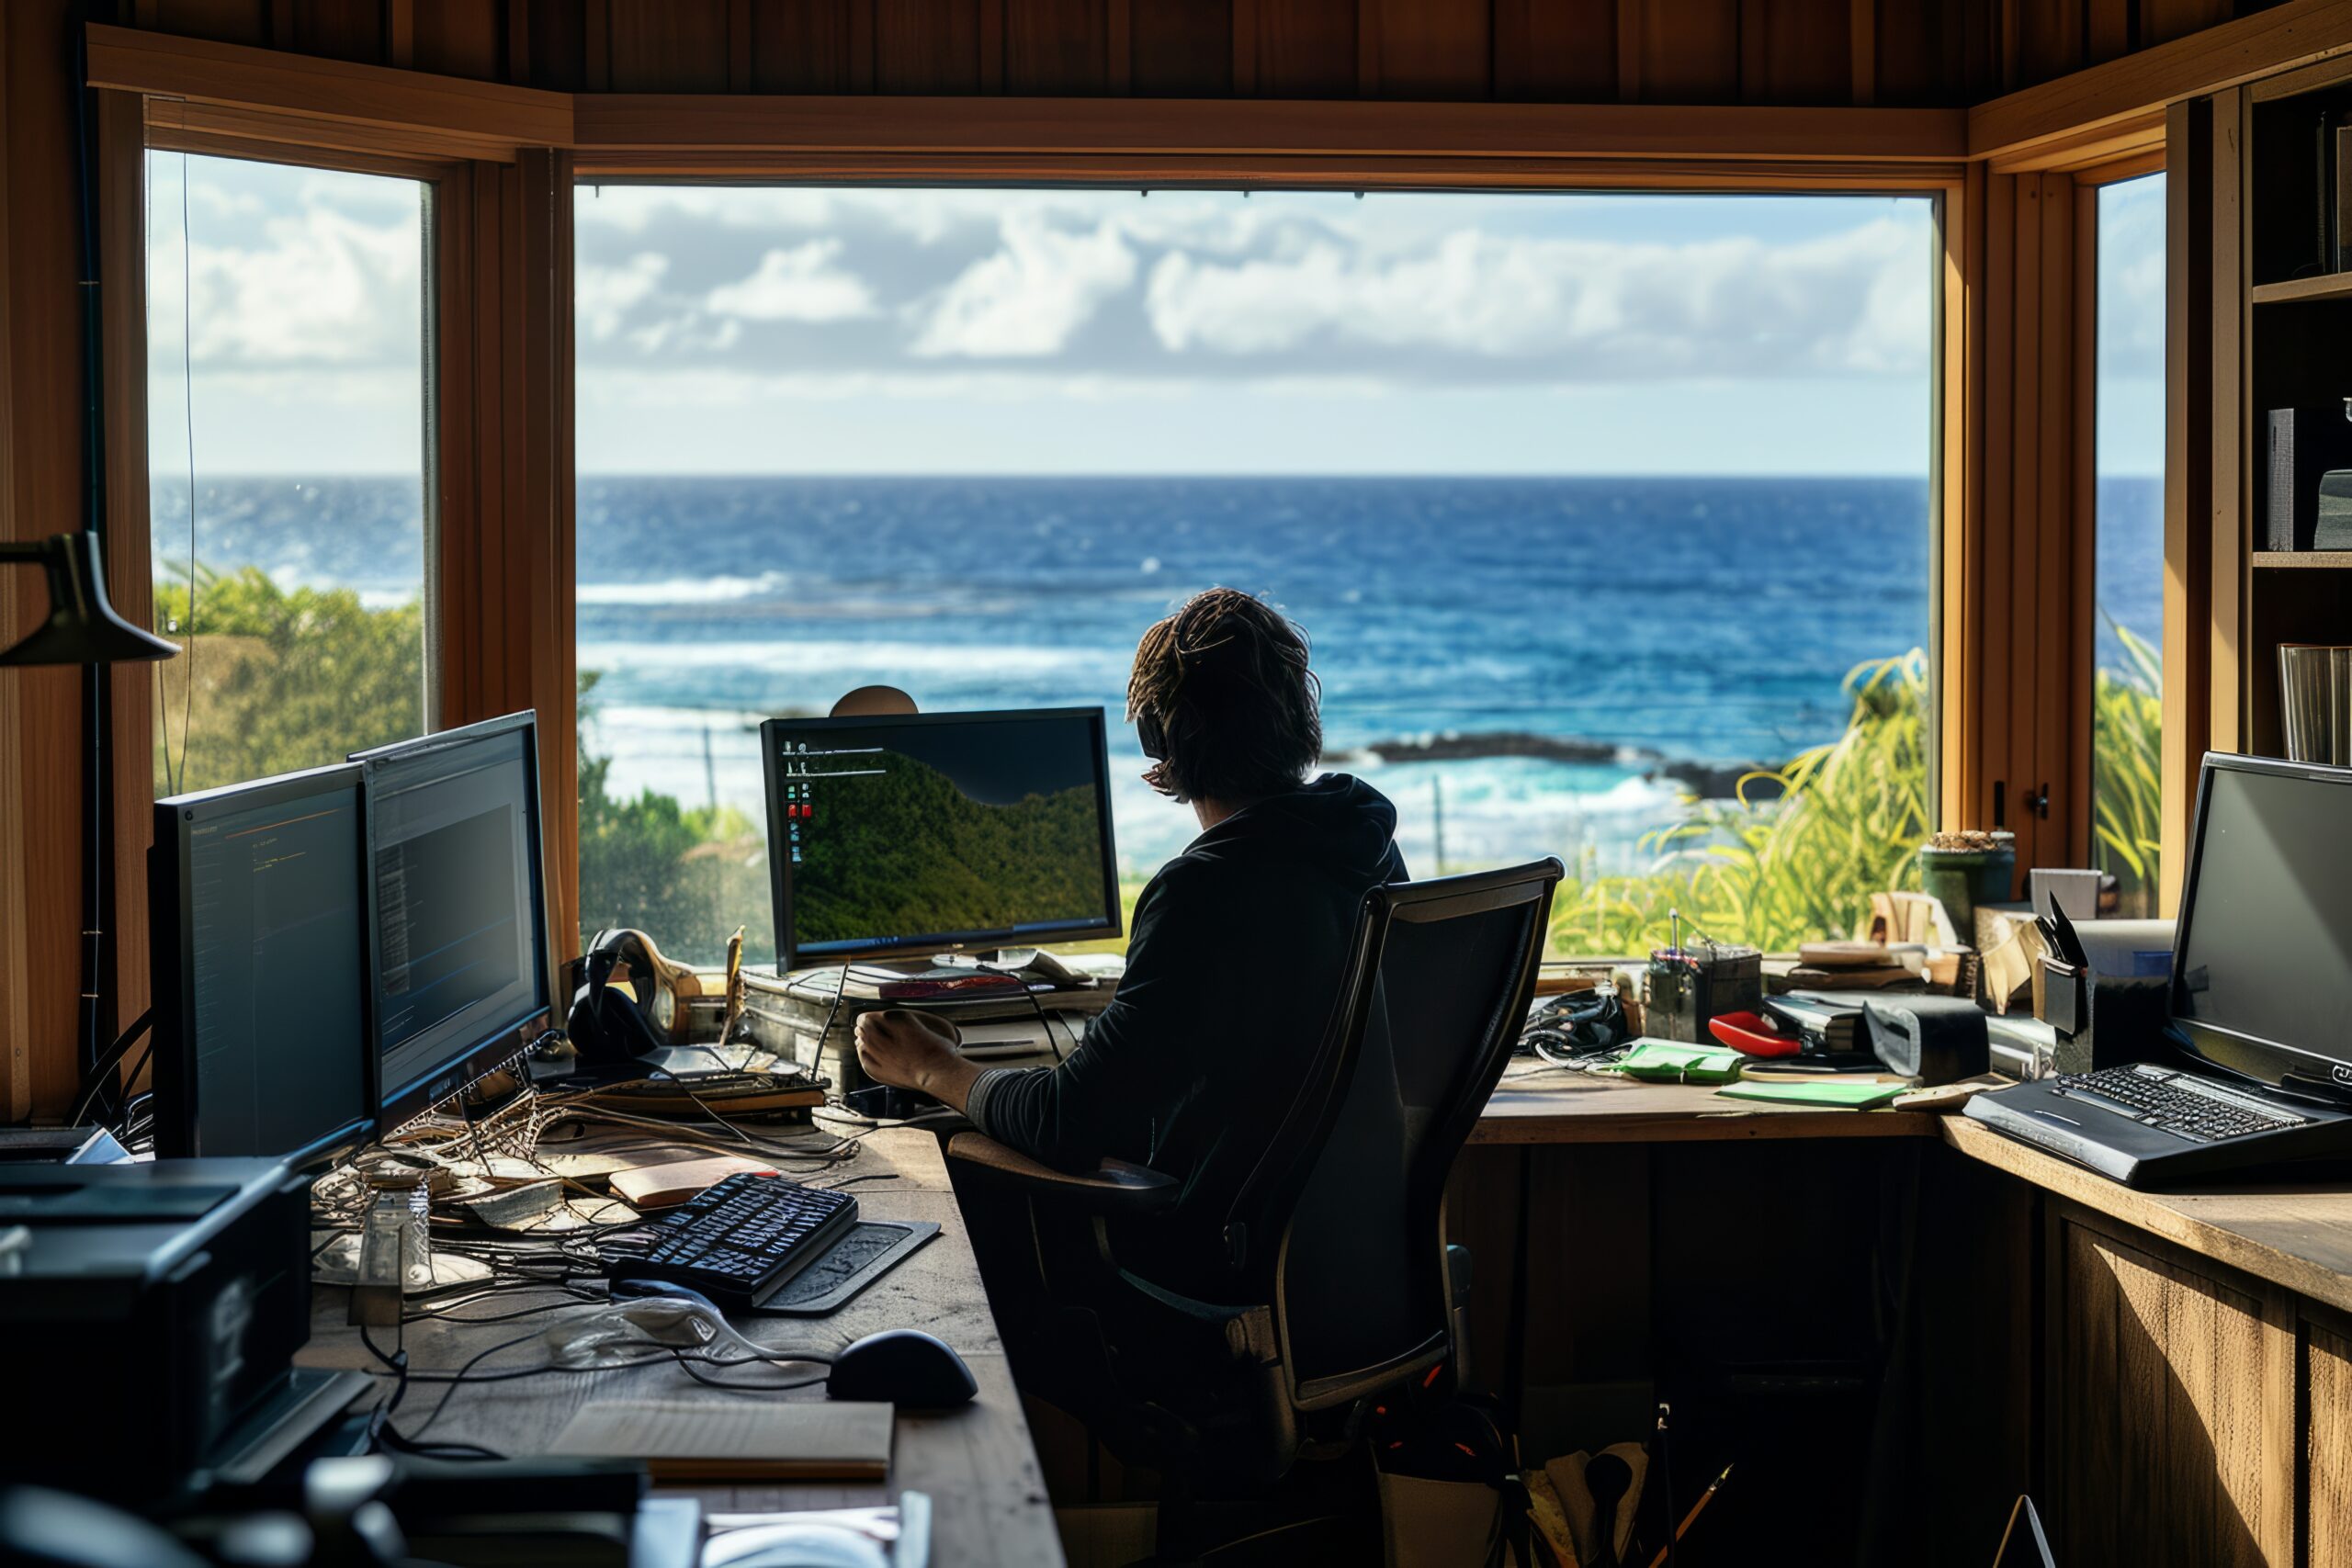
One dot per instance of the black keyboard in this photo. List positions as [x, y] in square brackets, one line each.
[739, 1241]
[2158, 1098]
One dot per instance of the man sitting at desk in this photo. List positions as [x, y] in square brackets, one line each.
[1236, 956]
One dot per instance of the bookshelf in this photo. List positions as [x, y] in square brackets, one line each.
[2297, 353]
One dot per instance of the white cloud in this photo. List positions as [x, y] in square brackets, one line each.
[602, 295]
[322, 288]
[1031, 296]
[804, 283]
[1854, 302]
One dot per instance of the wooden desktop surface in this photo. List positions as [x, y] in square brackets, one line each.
[2296, 1233]
[977, 1463]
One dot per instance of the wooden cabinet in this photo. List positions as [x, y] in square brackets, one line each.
[2171, 1427]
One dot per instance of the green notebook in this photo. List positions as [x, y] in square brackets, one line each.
[1672, 1061]
[1842, 1096]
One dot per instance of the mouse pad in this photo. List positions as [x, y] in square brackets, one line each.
[869, 1251]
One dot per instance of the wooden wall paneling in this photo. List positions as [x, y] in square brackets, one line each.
[1632, 23]
[2326, 1378]
[226, 21]
[666, 46]
[2082, 509]
[2048, 40]
[1930, 52]
[547, 44]
[1861, 50]
[1554, 49]
[131, 579]
[464, 38]
[2190, 177]
[1118, 47]
[596, 45]
[739, 44]
[1302, 48]
[2025, 769]
[1798, 51]
[1182, 49]
[2230, 477]
[500, 599]
[1056, 47]
[1997, 633]
[334, 30]
[1689, 52]
[41, 493]
[16, 731]
[2163, 20]
[1408, 49]
[2106, 30]
[2061, 696]
[806, 46]
[927, 46]
[1963, 794]
[400, 34]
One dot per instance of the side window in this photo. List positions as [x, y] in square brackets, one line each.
[285, 408]
[2129, 584]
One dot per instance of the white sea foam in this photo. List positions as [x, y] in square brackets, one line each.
[686, 590]
[840, 659]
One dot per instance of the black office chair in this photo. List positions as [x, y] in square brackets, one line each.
[1336, 1286]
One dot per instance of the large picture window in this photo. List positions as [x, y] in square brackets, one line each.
[286, 419]
[1608, 516]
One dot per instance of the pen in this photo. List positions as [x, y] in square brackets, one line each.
[1683, 1529]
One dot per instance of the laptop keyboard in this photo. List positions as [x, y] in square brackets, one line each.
[2173, 1102]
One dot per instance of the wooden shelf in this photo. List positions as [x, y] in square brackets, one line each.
[2334, 286]
[2305, 561]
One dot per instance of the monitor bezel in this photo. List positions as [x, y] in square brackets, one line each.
[2273, 1063]
[788, 955]
[172, 980]
[398, 1104]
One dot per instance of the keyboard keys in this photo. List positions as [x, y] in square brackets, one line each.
[2158, 1098]
[740, 1240]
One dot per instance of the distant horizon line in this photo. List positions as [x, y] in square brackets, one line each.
[1118, 474]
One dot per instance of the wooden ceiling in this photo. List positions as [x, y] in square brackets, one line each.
[1894, 52]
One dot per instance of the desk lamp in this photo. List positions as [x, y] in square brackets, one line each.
[83, 628]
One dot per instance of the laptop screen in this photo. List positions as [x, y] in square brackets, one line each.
[2262, 963]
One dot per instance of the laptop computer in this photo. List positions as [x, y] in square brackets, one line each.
[2255, 1065]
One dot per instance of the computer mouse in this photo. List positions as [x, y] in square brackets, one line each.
[901, 1366]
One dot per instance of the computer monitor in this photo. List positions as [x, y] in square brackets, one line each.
[258, 959]
[908, 835]
[2262, 956]
[457, 912]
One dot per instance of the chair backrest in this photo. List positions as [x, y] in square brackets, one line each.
[1343, 1217]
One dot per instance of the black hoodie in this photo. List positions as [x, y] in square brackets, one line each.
[1233, 966]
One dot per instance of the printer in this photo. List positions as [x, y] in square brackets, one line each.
[149, 1317]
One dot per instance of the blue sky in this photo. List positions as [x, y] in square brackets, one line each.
[761, 329]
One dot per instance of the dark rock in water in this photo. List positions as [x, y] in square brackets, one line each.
[1718, 780]
[1708, 781]
[1499, 743]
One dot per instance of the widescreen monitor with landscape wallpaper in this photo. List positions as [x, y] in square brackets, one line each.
[1608, 515]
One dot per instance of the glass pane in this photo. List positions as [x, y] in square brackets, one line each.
[1591, 505]
[286, 417]
[2126, 756]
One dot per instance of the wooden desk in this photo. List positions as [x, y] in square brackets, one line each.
[2169, 1374]
[978, 1463]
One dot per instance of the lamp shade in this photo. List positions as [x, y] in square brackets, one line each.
[83, 628]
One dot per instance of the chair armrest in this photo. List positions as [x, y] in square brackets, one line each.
[1114, 1186]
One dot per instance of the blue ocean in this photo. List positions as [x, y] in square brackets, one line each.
[1593, 638]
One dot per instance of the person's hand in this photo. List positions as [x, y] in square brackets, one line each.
[909, 1049]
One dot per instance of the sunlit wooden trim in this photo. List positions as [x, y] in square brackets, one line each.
[616, 123]
[461, 119]
[2298, 33]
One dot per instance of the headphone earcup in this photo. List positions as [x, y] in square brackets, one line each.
[606, 1027]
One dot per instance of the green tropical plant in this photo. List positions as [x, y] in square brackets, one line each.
[278, 679]
[1779, 873]
[2127, 772]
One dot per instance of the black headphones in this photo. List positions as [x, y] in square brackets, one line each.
[1152, 735]
[606, 1024]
